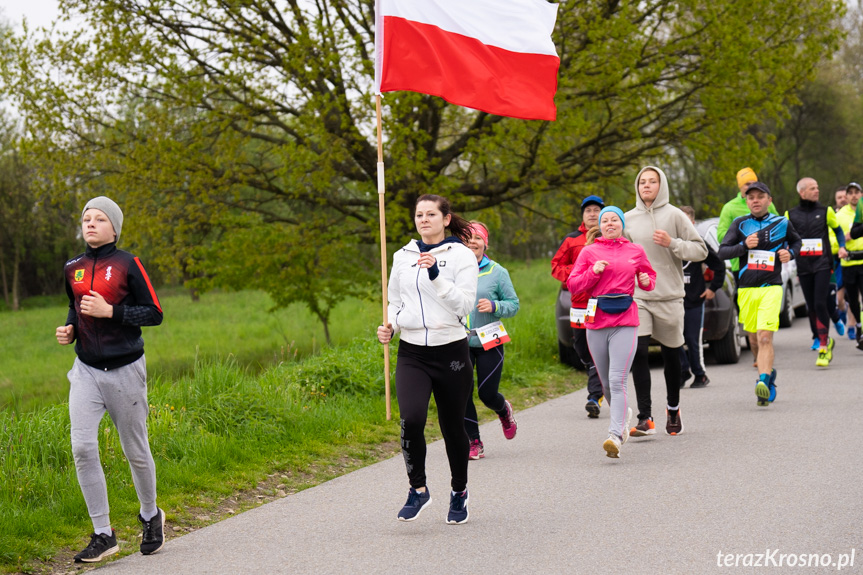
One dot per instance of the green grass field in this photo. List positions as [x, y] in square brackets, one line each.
[242, 424]
[221, 326]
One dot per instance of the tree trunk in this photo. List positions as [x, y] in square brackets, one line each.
[326, 321]
[16, 278]
[3, 274]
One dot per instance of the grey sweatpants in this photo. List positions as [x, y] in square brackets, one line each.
[613, 349]
[122, 392]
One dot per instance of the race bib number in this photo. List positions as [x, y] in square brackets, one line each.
[577, 317]
[812, 247]
[492, 335]
[762, 260]
[591, 310]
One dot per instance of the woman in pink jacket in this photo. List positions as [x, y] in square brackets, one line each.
[608, 270]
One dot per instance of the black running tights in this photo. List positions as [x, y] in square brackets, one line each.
[489, 368]
[816, 290]
[446, 372]
[641, 376]
[852, 278]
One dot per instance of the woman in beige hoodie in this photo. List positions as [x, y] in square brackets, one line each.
[668, 238]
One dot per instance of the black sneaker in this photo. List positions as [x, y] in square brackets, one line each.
[592, 408]
[153, 537]
[458, 508]
[684, 377]
[700, 381]
[417, 501]
[100, 547]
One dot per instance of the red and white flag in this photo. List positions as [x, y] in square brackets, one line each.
[492, 55]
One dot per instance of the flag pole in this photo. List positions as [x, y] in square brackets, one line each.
[383, 226]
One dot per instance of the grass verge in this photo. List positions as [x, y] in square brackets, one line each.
[227, 438]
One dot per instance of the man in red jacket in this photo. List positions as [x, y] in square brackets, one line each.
[561, 266]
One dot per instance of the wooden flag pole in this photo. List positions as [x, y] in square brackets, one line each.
[383, 223]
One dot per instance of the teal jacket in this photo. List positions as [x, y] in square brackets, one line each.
[732, 210]
[494, 285]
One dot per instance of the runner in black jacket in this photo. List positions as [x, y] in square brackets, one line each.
[815, 262]
[110, 298]
[119, 277]
[697, 293]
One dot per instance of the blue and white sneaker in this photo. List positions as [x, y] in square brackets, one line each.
[840, 327]
[852, 333]
[815, 344]
[458, 513]
[417, 501]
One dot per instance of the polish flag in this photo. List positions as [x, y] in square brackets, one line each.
[492, 55]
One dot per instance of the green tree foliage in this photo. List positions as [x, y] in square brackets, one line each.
[36, 236]
[203, 113]
[822, 136]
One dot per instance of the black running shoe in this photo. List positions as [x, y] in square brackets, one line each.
[700, 381]
[684, 377]
[100, 547]
[592, 408]
[417, 501]
[153, 537]
[458, 508]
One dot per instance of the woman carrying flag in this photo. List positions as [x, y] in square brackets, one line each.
[432, 289]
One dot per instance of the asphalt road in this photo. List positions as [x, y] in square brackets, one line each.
[740, 481]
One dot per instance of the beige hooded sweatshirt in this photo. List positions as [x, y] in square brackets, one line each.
[686, 244]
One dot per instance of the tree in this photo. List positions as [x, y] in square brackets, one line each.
[36, 235]
[264, 109]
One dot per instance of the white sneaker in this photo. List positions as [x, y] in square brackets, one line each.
[626, 427]
[612, 446]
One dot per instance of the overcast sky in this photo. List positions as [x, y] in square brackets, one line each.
[38, 12]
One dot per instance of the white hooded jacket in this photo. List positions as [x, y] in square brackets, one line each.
[686, 244]
[430, 312]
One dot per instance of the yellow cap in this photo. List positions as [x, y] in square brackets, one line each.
[745, 176]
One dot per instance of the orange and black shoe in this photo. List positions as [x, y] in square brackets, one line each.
[644, 427]
[674, 425]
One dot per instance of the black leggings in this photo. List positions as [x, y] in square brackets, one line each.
[852, 278]
[816, 290]
[444, 370]
[641, 375]
[489, 368]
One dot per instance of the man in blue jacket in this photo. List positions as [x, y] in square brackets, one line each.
[763, 242]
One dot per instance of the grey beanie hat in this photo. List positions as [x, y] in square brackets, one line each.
[110, 208]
